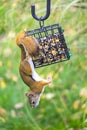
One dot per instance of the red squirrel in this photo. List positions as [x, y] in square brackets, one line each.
[30, 48]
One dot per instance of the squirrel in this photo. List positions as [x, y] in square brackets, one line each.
[30, 48]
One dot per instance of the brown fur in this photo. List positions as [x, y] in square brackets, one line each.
[30, 48]
[30, 43]
[26, 73]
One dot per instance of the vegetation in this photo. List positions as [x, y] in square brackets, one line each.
[63, 105]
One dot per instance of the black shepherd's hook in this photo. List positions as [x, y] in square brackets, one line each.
[41, 18]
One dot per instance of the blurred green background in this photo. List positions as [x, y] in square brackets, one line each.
[63, 105]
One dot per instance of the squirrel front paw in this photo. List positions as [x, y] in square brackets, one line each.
[49, 78]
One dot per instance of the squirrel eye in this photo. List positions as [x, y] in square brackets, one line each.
[33, 102]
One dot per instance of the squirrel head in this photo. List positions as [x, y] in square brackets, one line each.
[33, 98]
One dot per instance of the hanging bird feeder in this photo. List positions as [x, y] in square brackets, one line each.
[51, 39]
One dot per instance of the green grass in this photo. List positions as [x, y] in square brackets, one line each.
[67, 109]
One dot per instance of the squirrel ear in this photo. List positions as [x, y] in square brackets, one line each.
[27, 94]
[30, 95]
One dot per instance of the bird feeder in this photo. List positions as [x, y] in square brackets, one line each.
[51, 39]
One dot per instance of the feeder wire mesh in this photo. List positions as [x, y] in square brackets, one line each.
[53, 47]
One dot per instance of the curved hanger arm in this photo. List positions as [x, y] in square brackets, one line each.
[41, 18]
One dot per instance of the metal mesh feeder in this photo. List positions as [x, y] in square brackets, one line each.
[53, 47]
[51, 39]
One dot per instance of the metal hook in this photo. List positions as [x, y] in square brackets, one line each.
[41, 18]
